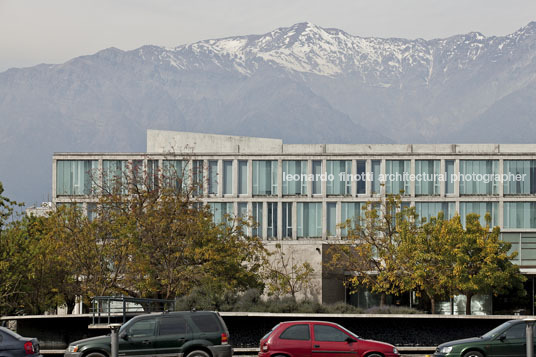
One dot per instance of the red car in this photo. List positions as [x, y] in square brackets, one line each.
[320, 339]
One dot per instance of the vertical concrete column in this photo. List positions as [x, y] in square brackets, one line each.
[368, 183]
[206, 178]
[234, 183]
[310, 183]
[500, 191]
[443, 184]
[412, 182]
[382, 184]
[54, 183]
[324, 219]
[250, 178]
[279, 233]
[219, 178]
[295, 220]
[279, 178]
[353, 191]
[264, 219]
[324, 182]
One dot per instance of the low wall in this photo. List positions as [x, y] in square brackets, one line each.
[246, 329]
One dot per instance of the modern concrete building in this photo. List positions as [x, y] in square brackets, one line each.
[299, 193]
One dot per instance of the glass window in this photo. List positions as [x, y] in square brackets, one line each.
[396, 174]
[480, 208]
[272, 219]
[519, 177]
[362, 172]
[339, 177]
[317, 172]
[114, 176]
[206, 322]
[197, 176]
[76, 177]
[172, 326]
[152, 174]
[309, 219]
[329, 333]
[220, 211]
[242, 177]
[332, 218]
[376, 167]
[351, 211]
[243, 213]
[294, 177]
[265, 177]
[516, 332]
[519, 215]
[296, 332]
[427, 177]
[287, 219]
[449, 184]
[142, 328]
[257, 218]
[175, 174]
[213, 177]
[427, 210]
[477, 177]
[227, 177]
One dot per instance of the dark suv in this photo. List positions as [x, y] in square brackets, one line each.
[186, 333]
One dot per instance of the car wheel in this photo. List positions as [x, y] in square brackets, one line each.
[95, 354]
[473, 354]
[198, 353]
[374, 354]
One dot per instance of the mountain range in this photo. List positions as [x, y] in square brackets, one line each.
[304, 84]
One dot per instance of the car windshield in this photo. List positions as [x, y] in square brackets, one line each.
[497, 330]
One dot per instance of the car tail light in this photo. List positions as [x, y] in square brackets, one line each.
[28, 348]
[264, 348]
[224, 339]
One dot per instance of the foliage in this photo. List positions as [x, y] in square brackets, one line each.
[372, 250]
[284, 276]
[483, 264]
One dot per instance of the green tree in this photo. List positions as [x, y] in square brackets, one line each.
[371, 251]
[482, 262]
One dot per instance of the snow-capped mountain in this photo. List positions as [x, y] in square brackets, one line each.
[301, 83]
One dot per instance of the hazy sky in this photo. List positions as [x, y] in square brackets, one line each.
[54, 31]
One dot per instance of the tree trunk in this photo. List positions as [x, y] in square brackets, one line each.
[382, 300]
[432, 303]
[468, 304]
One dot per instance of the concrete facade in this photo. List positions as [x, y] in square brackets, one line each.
[285, 215]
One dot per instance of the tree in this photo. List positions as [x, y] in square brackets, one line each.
[371, 250]
[285, 276]
[151, 236]
[482, 262]
[432, 257]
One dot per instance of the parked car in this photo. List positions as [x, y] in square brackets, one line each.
[320, 339]
[185, 333]
[14, 345]
[507, 339]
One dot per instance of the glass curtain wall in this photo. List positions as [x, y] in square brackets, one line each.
[265, 177]
[114, 176]
[212, 177]
[427, 210]
[449, 184]
[395, 183]
[256, 211]
[287, 219]
[341, 171]
[272, 220]
[76, 177]
[175, 174]
[519, 215]
[227, 177]
[476, 177]
[526, 169]
[376, 171]
[152, 175]
[317, 183]
[309, 219]
[292, 170]
[351, 213]
[220, 211]
[331, 211]
[242, 177]
[480, 208]
[428, 184]
[361, 172]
